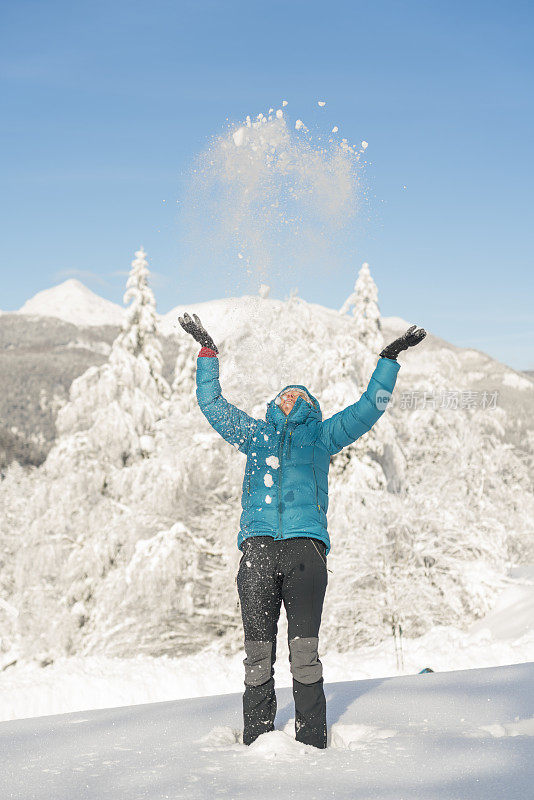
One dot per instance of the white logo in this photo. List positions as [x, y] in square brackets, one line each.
[383, 397]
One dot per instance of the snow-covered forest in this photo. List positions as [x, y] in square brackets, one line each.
[123, 541]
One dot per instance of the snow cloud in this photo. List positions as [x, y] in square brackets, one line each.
[269, 196]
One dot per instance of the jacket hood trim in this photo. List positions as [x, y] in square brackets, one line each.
[301, 412]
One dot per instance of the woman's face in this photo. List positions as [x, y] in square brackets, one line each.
[289, 398]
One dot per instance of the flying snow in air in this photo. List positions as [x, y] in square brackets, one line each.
[335, 129]
[270, 182]
[272, 461]
[365, 145]
[268, 498]
[321, 103]
[238, 136]
[268, 479]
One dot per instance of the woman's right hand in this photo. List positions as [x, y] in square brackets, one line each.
[197, 331]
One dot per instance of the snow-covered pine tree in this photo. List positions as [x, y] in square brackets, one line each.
[118, 403]
[365, 318]
[357, 348]
[139, 334]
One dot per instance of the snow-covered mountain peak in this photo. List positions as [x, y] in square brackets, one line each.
[73, 302]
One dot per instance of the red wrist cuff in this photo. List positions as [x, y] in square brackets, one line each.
[206, 351]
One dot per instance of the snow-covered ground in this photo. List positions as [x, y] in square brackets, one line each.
[506, 636]
[462, 733]
[447, 736]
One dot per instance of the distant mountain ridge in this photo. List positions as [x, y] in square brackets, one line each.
[73, 302]
[62, 331]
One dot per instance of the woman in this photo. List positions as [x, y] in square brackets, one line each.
[283, 528]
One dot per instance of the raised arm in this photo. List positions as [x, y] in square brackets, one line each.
[348, 425]
[234, 425]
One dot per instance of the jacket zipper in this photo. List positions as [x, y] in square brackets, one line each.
[316, 488]
[280, 449]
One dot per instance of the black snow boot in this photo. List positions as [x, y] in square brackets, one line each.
[310, 713]
[259, 710]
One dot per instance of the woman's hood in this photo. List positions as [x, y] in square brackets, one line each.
[301, 412]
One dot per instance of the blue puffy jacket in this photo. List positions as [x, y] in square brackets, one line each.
[285, 487]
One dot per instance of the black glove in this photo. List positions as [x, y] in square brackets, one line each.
[197, 331]
[408, 339]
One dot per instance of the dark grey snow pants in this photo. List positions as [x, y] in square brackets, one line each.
[293, 571]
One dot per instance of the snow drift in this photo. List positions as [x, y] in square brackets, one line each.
[439, 736]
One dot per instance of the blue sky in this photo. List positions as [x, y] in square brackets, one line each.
[105, 106]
